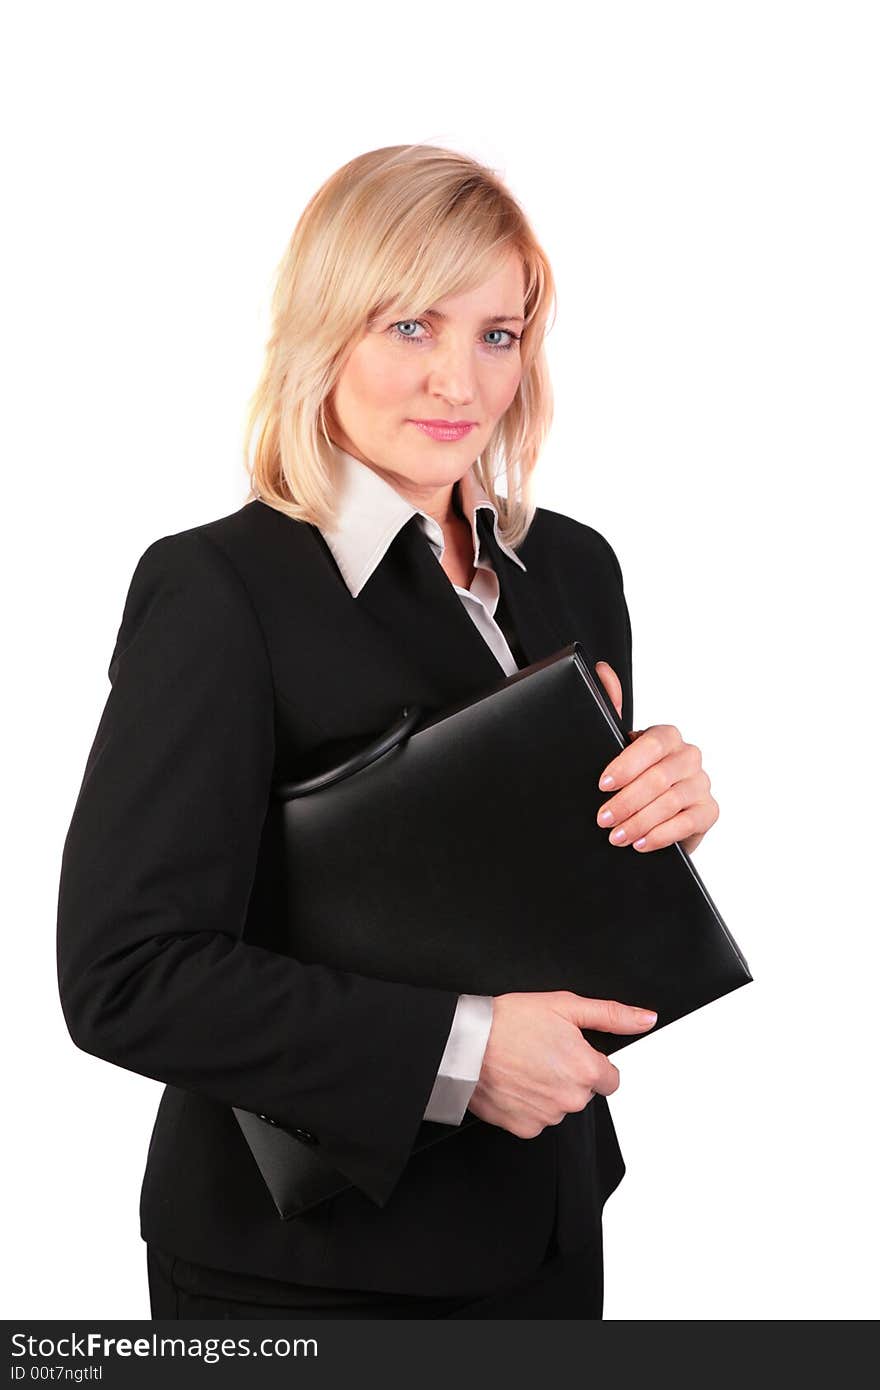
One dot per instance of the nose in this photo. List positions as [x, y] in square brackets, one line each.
[453, 374]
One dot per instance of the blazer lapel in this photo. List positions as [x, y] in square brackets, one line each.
[410, 599]
[539, 633]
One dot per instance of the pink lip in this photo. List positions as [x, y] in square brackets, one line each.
[444, 429]
[446, 424]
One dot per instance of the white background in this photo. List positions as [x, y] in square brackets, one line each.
[703, 177]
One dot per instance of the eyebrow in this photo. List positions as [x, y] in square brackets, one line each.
[495, 318]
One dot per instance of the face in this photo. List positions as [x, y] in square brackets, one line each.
[459, 360]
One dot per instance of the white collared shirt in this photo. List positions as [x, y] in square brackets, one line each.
[370, 513]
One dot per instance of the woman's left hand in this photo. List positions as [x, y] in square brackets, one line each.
[661, 792]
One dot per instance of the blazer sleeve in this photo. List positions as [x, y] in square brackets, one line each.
[156, 875]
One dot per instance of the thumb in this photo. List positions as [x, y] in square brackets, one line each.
[614, 689]
[609, 1016]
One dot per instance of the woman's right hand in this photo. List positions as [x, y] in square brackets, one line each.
[538, 1067]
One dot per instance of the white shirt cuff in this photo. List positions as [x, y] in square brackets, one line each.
[462, 1059]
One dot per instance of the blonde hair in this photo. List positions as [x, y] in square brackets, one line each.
[396, 227]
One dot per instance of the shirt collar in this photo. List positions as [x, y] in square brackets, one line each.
[370, 512]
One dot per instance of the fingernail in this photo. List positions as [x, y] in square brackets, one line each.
[606, 817]
[648, 1017]
[640, 841]
[607, 781]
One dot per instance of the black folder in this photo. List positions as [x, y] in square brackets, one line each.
[461, 851]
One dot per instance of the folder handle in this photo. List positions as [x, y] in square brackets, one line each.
[399, 730]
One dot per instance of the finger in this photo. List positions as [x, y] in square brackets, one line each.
[686, 796]
[694, 820]
[657, 741]
[673, 770]
[609, 1015]
[607, 1080]
[609, 678]
[689, 845]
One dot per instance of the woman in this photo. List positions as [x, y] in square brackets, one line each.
[374, 564]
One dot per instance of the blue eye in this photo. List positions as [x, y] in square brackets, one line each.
[408, 338]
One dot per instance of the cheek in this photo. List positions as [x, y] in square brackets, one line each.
[500, 388]
[374, 379]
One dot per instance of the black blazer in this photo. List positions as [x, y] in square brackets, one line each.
[242, 658]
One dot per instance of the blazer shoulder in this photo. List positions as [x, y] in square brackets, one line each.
[188, 581]
[235, 543]
[188, 562]
[238, 533]
[567, 538]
